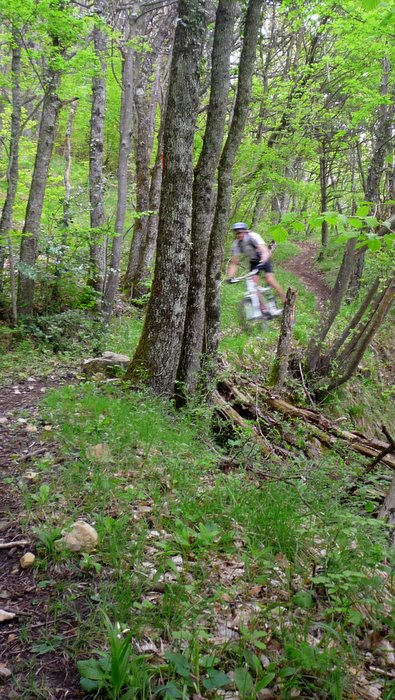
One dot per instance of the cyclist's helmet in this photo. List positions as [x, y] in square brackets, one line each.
[240, 226]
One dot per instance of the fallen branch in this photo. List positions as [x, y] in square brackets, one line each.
[17, 543]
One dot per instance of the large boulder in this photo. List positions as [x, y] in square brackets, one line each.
[108, 363]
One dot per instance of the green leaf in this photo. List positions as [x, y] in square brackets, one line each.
[216, 679]
[91, 669]
[370, 4]
[303, 599]
[370, 507]
[170, 690]
[89, 685]
[180, 663]
[371, 221]
[354, 222]
[374, 244]
[253, 662]
[355, 617]
[278, 233]
[363, 210]
[331, 217]
[265, 681]
[244, 682]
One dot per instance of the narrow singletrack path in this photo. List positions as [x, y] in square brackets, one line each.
[304, 267]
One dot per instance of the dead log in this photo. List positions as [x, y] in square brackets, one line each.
[357, 442]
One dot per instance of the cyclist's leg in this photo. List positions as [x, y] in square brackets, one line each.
[253, 265]
[271, 280]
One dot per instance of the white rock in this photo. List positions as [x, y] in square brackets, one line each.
[82, 538]
[31, 476]
[5, 615]
[3, 420]
[27, 560]
[31, 428]
[5, 672]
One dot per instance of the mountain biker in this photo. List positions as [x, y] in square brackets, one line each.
[255, 249]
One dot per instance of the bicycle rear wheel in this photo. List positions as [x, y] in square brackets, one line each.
[246, 315]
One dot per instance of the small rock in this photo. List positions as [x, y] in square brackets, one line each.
[31, 476]
[100, 452]
[27, 560]
[3, 420]
[386, 652]
[82, 538]
[21, 421]
[31, 379]
[107, 363]
[5, 673]
[31, 428]
[5, 615]
[48, 428]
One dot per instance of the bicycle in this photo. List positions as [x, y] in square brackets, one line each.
[250, 311]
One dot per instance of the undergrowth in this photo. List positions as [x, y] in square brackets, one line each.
[204, 579]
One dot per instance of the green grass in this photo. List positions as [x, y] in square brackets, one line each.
[204, 564]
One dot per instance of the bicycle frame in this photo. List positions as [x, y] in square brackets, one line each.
[251, 304]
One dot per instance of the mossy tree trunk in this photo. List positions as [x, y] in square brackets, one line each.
[158, 353]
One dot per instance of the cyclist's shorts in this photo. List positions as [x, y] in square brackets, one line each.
[266, 267]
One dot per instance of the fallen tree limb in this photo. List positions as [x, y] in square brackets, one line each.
[325, 430]
[11, 545]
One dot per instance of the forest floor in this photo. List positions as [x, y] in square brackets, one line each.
[284, 598]
[304, 266]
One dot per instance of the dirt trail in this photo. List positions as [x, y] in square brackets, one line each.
[304, 267]
[23, 439]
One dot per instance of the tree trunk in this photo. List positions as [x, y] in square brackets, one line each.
[387, 511]
[13, 163]
[235, 135]
[284, 345]
[203, 194]
[354, 351]
[56, 293]
[125, 143]
[157, 356]
[381, 143]
[324, 194]
[31, 229]
[313, 354]
[96, 146]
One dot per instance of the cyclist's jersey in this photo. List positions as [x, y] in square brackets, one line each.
[248, 246]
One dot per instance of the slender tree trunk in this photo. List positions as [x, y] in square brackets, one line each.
[381, 141]
[56, 294]
[125, 144]
[284, 345]
[352, 355]
[31, 229]
[235, 135]
[313, 354]
[203, 194]
[96, 146]
[13, 163]
[324, 193]
[157, 356]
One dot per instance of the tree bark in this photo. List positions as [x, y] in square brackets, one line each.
[203, 194]
[235, 135]
[125, 144]
[381, 142]
[13, 165]
[31, 229]
[157, 356]
[284, 345]
[96, 146]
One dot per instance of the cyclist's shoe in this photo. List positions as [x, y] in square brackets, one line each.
[275, 312]
[230, 280]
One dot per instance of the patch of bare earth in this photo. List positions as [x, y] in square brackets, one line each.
[26, 672]
[304, 267]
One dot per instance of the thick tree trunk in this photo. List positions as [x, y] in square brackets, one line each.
[96, 146]
[203, 194]
[31, 229]
[13, 164]
[157, 356]
[125, 144]
[235, 135]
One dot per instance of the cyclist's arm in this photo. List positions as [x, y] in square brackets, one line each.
[264, 252]
[232, 269]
